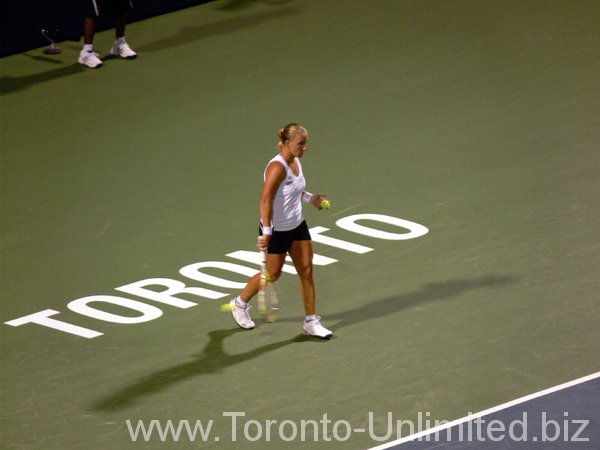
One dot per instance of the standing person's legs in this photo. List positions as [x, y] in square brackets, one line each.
[120, 9]
[120, 24]
[89, 28]
[301, 253]
[239, 305]
[88, 56]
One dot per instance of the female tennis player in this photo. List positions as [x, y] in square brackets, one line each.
[283, 229]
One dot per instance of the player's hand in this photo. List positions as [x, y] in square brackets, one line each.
[263, 242]
[317, 199]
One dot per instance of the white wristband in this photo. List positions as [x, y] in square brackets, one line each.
[267, 230]
[307, 197]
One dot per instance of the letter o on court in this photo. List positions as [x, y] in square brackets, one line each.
[82, 306]
[193, 272]
[415, 230]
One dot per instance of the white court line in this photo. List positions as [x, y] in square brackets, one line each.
[486, 412]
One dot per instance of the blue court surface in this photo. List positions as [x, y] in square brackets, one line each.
[564, 416]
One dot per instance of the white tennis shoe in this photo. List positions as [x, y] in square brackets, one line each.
[90, 59]
[122, 49]
[241, 316]
[314, 328]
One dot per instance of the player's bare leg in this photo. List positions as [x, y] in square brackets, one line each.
[302, 256]
[274, 263]
[89, 28]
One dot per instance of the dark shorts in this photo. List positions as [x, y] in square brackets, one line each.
[113, 8]
[281, 241]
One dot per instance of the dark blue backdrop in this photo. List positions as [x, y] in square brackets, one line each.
[21, 21]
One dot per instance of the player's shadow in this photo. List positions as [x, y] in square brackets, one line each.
[212, 359]
[9, 84]
[234, 5]
[429, 292]
[188, 35]
[184, 36]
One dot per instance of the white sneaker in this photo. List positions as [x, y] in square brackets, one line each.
[241, 316]
[314, 328]
[90, 59]
[123, 50]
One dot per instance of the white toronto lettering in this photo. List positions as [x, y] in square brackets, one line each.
[140, 288]
[81, 306]
[316, 236]
[43, 318]
[255, 258]
[193, 271]
[166, 290]
[415, 230]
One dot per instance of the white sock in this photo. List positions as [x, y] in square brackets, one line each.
[310, 318]
[88, 48]
[241, 303]
[120, 40]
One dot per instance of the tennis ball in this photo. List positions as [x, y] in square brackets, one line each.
[226, 307]
[325, 204]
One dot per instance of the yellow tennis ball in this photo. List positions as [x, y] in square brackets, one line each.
[226, 307]
[325, 204]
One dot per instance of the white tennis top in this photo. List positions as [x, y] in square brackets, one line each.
[287, 205]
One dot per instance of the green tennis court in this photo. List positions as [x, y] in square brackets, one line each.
[130, 206]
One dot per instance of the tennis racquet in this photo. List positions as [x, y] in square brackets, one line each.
[268, 303]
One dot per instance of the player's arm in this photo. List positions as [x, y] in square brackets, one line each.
[273, 179]
[315, 199]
